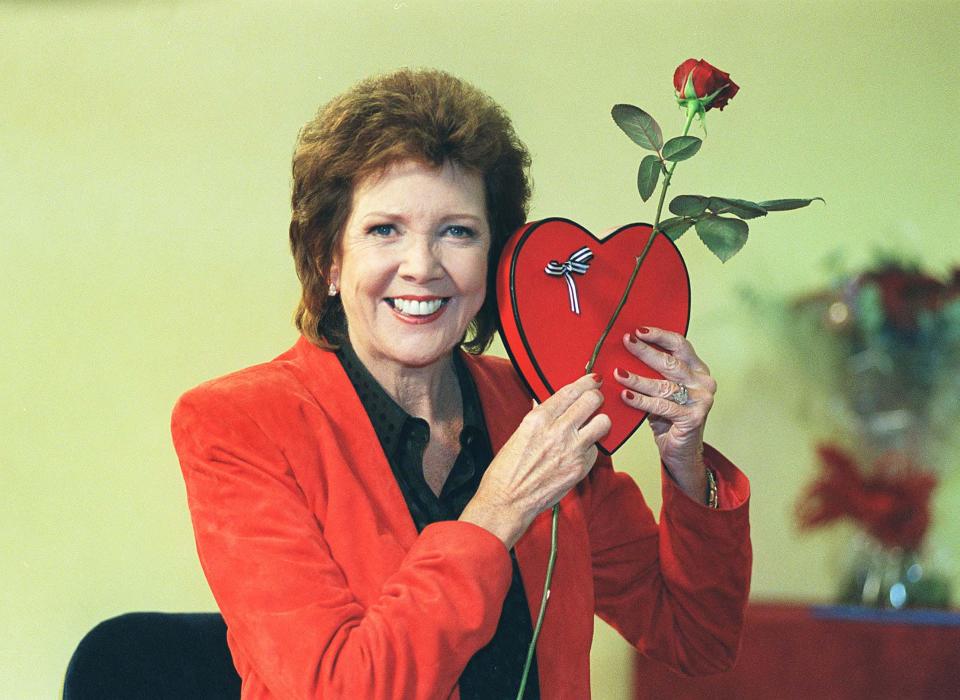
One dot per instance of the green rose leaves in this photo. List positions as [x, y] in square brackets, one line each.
[720, 222]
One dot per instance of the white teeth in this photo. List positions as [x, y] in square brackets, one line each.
[412, 307]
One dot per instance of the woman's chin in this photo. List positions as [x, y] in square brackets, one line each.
[421, 342]
[423, 356]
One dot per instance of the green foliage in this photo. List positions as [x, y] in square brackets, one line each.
[689, 205]
[723, 236]
[675, 227]
[788, 204]
[648, 175]
[681, 148]
[642, 129]
[738, 207]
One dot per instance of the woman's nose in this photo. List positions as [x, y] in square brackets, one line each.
[420, 259]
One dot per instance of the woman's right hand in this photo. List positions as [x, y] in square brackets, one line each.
[549, 453]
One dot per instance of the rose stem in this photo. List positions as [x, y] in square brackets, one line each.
[691, 113]
[543, 602]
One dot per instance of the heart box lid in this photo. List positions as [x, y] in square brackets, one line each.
[558, 285]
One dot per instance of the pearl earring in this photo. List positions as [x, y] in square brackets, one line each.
[332, 291]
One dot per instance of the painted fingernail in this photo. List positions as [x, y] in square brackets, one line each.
[622, 374]
[629, 395]
[643, 330]
[631, 338]
[597, 379]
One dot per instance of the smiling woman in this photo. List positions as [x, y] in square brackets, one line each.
[371, 507]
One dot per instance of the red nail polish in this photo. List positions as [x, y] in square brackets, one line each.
[643, 330]
[597, 379]
[632, 339]
[630, 396]
[620, 373]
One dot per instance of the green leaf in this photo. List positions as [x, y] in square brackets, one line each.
[689, 205]
[738, 207]
[675, 227]
[787, 204]
[681, 148]
[648, 175]
[723, 236]
[639, 126]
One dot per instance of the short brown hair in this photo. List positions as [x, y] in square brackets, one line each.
[423, 115]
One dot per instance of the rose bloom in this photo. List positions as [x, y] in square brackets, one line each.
[706, 80]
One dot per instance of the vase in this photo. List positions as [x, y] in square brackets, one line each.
[892, 578]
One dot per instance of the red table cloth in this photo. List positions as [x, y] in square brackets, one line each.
[812, 652]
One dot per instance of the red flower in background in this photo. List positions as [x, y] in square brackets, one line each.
[905, 293]
[892, 503]
[698, 80]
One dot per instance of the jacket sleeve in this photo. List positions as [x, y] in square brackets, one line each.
[287, 603]
[676, 590]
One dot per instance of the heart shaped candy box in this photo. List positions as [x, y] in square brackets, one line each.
[557, 288]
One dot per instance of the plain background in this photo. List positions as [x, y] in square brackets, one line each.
[144, 184]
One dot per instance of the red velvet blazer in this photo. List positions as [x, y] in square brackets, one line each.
[329, 592]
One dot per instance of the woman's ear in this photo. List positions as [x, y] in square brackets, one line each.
[333, 279]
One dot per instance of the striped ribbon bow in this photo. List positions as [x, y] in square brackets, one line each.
[578, 262]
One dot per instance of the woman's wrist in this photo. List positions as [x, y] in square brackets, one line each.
[692, 478]
[496, 519]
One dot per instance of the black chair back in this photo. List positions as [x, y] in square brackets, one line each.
[153, 655]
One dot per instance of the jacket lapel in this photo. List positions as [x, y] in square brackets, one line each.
[324, 377]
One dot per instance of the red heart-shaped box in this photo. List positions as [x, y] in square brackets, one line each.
[550, 343]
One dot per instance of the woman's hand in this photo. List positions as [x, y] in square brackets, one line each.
[677, 427]
[548, 454]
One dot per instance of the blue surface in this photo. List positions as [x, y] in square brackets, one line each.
[855, 613]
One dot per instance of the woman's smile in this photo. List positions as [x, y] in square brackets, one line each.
[418, 309]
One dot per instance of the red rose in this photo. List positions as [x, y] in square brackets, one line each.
[698, 80]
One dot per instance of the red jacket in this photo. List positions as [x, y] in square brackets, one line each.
[329, 592]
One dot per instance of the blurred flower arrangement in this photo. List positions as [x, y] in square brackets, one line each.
[891, 339]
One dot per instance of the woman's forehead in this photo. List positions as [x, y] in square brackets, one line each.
[413, 186]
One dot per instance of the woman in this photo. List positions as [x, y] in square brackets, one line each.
[371, 507]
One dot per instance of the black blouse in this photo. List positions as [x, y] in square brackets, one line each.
[494, 671]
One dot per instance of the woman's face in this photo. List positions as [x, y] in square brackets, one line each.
[412, 265]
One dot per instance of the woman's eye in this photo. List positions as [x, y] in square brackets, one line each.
[459, 232]
[382, 229]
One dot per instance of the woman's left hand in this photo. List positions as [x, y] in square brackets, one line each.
[677, 424]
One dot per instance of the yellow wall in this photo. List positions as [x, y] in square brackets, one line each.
[144, 153]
